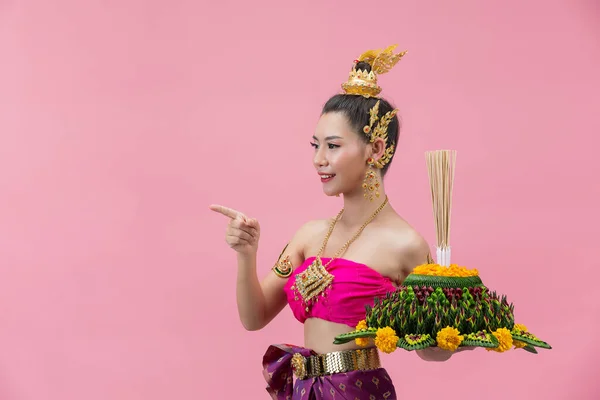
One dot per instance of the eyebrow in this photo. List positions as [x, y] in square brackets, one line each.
[329, 137]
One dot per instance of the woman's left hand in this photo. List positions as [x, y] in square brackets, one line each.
[436, 354]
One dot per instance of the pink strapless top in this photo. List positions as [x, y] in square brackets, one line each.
[353, 287]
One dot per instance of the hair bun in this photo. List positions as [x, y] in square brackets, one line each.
[363, 65]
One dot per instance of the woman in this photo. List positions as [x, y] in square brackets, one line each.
[331, 269]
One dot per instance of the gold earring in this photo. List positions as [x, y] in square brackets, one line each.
[371, 183]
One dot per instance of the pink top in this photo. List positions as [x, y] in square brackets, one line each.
[353, 287]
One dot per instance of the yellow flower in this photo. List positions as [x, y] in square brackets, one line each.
[505, 340]
[386, 339]
[449, 338]
[520, 327]
[518, 344]
[438, 270]
[361, 325]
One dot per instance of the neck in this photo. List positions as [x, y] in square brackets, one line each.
[357, 209]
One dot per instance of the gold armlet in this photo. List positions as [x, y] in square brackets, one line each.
[283, 268]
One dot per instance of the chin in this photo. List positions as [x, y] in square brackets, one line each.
[331, 192]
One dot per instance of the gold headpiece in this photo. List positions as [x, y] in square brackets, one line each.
[363, 83]
[380, 131]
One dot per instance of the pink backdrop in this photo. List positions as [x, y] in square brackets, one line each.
[121, 121]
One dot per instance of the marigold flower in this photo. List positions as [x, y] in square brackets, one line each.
[362, 324]
[520, 327]
[451, 271]
[505, 340]
[386, 339]
[449, 338]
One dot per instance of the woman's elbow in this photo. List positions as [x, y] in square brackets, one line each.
[252, 326]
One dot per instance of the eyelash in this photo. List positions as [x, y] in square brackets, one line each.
[331, 145]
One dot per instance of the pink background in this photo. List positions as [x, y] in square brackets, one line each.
[121, 121]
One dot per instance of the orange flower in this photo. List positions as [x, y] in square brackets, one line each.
[449, 338]
[505, 340]
[451, 271]
[520, 327]
[361, 326]
[386, 339]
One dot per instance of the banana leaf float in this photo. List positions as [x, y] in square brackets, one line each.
[442, 304]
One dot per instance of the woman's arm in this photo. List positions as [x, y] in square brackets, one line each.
[259, 302]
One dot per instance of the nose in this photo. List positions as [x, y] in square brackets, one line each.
[320, 160]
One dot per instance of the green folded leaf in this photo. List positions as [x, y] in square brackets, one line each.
[415, 342]
[530, 349]
[350, 336]
[530, 339]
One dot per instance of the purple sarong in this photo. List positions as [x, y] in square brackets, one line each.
[354, 385]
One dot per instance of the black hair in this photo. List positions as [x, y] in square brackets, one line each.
[356, 109]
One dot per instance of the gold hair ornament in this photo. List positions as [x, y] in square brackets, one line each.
[380, 131]
[364, 83]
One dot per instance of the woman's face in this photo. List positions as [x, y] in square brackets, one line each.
[340, 156]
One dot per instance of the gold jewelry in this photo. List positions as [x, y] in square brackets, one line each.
[363, 83]
[380, 131]
[283, 268]
[371, 183]
[315, 280]
[312, 282]
[336, 362]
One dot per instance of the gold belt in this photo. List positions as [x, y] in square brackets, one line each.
[335, 363]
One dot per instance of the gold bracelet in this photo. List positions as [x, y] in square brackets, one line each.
[283, 268]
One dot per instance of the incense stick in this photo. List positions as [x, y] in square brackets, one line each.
[440, 168]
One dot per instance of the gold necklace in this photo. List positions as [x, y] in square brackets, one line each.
[315, 280]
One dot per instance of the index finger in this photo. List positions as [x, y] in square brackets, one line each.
[226, 211]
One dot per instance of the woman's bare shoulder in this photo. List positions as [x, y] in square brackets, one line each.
[302, 239]
[406, 242]
[313, 227]
[399, 227]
